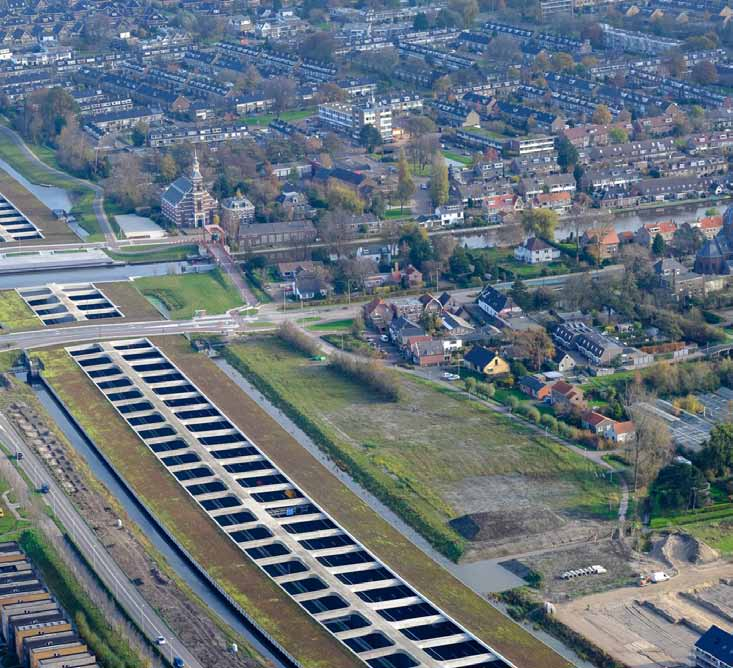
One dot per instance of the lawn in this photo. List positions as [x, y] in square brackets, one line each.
[432, 457]
[397, 213]
[154, 253]
[332, 325]
[505, 260]
[458, 157]
[287, 116]
[15, 314]
[81, 195]
[183, 294]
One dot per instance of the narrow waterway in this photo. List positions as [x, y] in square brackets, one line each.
[51, 196]
[89, 275]
[483, 577]
[174, 559]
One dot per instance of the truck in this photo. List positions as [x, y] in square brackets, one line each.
[654, 578]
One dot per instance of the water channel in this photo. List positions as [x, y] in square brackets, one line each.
[89, 275]
[51, 196]
[176, 561]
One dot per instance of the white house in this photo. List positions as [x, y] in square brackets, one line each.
[450, 214]
[536, 251]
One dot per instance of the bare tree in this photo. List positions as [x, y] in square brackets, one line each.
[651, 447]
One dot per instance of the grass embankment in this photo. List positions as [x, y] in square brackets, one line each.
[418, 453]
[82, 196]
[332, 325]
[356, 516]
[15, 314]
[153, 253]
[183, 294]
[158, 490]
[111, 648]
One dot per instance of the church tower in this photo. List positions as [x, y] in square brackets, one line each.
[198, 193]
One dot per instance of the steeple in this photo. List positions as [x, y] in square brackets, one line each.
[196, 170]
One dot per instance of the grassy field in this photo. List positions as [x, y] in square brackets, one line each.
[716, 533]
[82, 196]
[15, 314]
[332, 325]
[154, 253]
[504, 259]
[131, 303]
[287, 116]
[458, 157]
[183, 294]
[433, 456]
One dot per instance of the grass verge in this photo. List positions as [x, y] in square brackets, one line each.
[111, 648]
[154, 253]
[15, 314]
[183, 294]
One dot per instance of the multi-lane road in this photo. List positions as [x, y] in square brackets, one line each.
[146, 618]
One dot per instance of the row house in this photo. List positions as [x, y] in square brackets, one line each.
[675, 187]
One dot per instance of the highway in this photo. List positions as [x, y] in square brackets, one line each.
[42, 338]
[125, 593]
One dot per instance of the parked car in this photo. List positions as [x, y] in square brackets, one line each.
[160, 640]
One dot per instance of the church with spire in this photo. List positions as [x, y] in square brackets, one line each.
[186, 202]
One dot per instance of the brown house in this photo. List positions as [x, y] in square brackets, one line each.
[567, 398]
[378, 314]
[603, 242]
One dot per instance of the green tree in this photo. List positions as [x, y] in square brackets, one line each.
[520, 294]
[139, 134]
[458, 262]
[658, 245]
[405, 184]
[618, 135]
[677, 487]
[369, 137]
[420, 21]
[716, 457]
[539, 222]
[567, 154]
[601, 115]
[439, 185]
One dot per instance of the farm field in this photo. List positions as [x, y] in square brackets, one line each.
[183, 294]
[438, 458]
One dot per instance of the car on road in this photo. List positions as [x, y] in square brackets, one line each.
[384, 338]
[423, 186]
[178, 662]
[160, 640]
[450, 376]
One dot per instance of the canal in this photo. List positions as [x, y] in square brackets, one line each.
[185, 570]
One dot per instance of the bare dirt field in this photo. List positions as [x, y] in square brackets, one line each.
[657, 625]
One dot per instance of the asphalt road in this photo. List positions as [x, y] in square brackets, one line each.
[104, 566]
[41, 338]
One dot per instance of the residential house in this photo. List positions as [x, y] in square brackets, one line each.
[599, 424]
[559, 202]
[601, 242]
[709, 225]
[535, 387]
[597, 348]
[565, 362]
[378, 314]
[428, 353]
[567, 398]
[648, 231]
[622, 432]
[289, 270]
[307, 286]
[430, 303]
[536, 251]
[497, 304]
[674, 187]
[404, 332]
[485, 361]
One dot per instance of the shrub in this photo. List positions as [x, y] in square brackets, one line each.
[533, 414]
[297, 338]
[375, 377]
[513, 403]
[549, 421]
